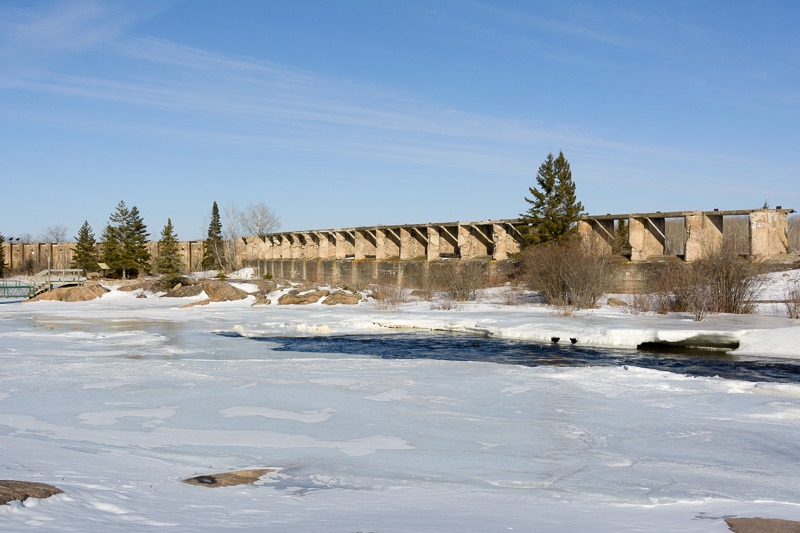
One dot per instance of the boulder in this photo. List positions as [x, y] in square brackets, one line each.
[22, 490]
[221, 291]
[762, 525]
[135, 285]
[184, 291]
[72, 294]
[305, 298]
[265, 286]
[229, 479]
[341, 297]
[261, 301]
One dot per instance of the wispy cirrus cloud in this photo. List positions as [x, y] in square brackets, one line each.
[205, 97]
[34, 39]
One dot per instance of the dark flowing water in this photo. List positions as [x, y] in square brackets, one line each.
[460, 347]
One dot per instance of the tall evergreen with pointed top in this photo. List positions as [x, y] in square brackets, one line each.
[112, 252]
[168, 261]
[215, 247]
[125, 242]
[135, 242]
[85, 249]
[554, 208]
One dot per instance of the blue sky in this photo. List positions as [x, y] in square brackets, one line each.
[355, 113]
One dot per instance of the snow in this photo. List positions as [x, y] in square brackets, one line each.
[116, 400]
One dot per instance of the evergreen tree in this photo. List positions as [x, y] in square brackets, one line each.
[85, 249]
[2, 256]
[111, 249]
[215, 247]
[168, 261]
[125, 242]
[135, 242]
[554, 209]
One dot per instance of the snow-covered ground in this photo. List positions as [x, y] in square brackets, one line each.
[117, 399]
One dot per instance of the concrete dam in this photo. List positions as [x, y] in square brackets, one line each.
[411, 253]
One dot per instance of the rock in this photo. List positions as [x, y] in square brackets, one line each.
[221, 291]
[229, 479]
[762, 525]
[261, 301]
[143, 284]
[265, 286]
[72, 294]
[294, 298]
[184, 291]
[341, 297]
[194, 304]
[616, 302]
[22, 490]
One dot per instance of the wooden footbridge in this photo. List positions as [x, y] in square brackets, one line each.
[44, 281]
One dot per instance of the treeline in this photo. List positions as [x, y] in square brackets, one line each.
[122, 247]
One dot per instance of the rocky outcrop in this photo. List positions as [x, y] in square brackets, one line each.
[221, 291]
[229, 479]
[139, 284]
[762, 525]
[72, 294]
[297, 298]
[184, 291]
[22, 490]
[341, 297]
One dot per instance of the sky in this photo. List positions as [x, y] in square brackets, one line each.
[346, 113]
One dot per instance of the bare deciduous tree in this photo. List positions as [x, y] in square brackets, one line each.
[231, 232]
[258, 219]
[55, 233]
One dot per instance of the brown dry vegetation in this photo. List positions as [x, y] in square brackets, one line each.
[567, 273]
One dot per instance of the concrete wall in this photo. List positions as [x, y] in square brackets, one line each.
[357, 274]
[496, 240]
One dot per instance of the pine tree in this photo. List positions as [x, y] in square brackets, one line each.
[168, 261]
[110, 249]
[554, 209]
[2, 256]
[135, 242]
[215, 247]
[85, 249]
[125, 242]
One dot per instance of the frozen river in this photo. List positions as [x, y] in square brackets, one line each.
[116, 401]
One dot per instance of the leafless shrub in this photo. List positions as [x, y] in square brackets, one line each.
[388, 296]
[640, 304]
[565, 311]
[445, 304]
[512, 294]
[568, 273]
[460, 280]
[720, 283]
[792, 299]
[662, 284]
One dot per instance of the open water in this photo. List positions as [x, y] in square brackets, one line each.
[461, 347]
